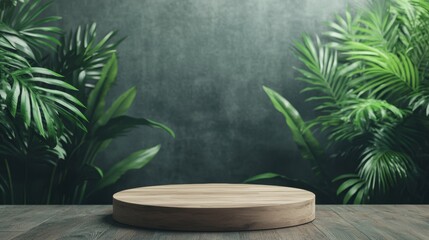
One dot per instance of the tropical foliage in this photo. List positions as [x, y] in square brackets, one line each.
[370, 82]
[54, 120]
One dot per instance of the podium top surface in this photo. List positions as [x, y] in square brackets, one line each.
[213, 196]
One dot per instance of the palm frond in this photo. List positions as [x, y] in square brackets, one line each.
[420, 101]
[413, 16]
[323, 73]
[26, 21]
[343, 29]
[81, 58]
[383, 168]
[385, 75]
[33, 97]
[379, 28]
[9, 3]
[353, 187]
[370, 83]
[363, 112]
[357, 117]
[30, 92]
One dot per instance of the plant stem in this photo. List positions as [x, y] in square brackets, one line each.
[82, 192]
[51, 183]
[76, 190]
[9, 176]
[25, 181]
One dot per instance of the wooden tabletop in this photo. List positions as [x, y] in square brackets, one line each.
[332, 222]
[213, 195]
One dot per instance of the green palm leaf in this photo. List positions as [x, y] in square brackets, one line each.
[383, 168]
[118, 126]
[353, 188]
[29, 26]
[134, 161]
[363, 112]
[81, 58]
[96, 99]
[323, 73]
[119, 107]
[370, 86]
[308, 145]
[31, 101]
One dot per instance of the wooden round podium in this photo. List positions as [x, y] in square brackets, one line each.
[214, 207]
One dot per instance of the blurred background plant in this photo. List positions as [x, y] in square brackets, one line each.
[369, 80]
[53, 119]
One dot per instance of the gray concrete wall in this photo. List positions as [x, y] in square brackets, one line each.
[200, 66]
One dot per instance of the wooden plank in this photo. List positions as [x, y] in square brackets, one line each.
[164, 235]
[9, 235]
[259, 235]
[121, 231]
[398, 220]
[126, 234]
[414, 210]
[91, 227]
[335, 227]
[305, 231]
[332, 222]
[23, 218]
[73, 222]
[219, 236]
[362, 220]
[214, 207]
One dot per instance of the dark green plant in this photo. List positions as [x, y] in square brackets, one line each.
[370, 82]
[33, 100]
[103, 126]
[53, 119]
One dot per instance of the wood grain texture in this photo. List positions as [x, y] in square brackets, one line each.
[79, 222]
[23, 218]
[387, 221]
[214, 207]
[333, 222]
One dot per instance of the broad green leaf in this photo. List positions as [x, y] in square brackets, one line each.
[47, 116]
[67, 106]
[39, 70]
[13, 102]
[119, 107]
[119, 125]
[359, 199]
[37, 116]
[291, 183]
[53, 82]
[96, 100]
[25, 109]
[352, 192]
[20, 45]
[307, 144]
[345, 185]
[263, 176]
[134, 161]
[61, 94]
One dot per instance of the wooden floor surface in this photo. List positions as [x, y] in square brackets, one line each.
[332, 222]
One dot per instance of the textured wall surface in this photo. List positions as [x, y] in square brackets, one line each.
[200, 66]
